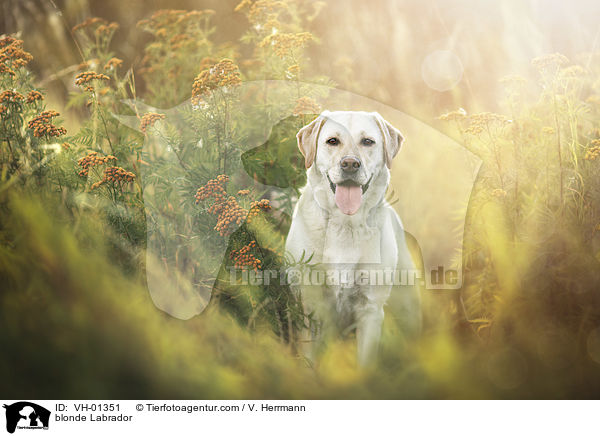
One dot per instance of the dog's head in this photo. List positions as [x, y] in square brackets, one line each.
[350, 149]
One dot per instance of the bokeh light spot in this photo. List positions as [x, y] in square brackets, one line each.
[442, 70]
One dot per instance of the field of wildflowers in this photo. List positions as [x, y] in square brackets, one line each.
[123, 216]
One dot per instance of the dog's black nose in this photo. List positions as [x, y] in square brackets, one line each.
[350, 164]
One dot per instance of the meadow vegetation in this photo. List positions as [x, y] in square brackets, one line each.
[85, 212]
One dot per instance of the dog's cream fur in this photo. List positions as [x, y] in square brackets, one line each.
[372, 237]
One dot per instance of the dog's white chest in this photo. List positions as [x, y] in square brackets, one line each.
[350, 244]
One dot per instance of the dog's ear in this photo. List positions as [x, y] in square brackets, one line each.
[307, 139]
[392, 139]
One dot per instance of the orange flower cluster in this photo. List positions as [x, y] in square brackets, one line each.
[177, 33]
[3, 110]
[169, 17]
[242, 258]
[10, 97]
[207, 62]
[228, 210]
[89, 64]
[593, 152]
[228, 213]
[306, 105]
[116, 175]
[263, 13]
[42, 125]
[180, 40]
[99, 26]
[34, 96]
[256, 207]
[149, 119]
[90, 22]
[87, 77]
[292, 71]
[106, 29]
[12, 55]
[284, 43]
[113, 63]
[223, 73]
[214, 188]
[91, 160]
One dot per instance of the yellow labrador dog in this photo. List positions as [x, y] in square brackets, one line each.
[344, 225]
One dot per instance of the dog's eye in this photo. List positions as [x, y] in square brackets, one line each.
[368, 142]
[333, 141]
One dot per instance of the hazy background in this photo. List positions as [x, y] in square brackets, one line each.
[76, 316]
[377, 49]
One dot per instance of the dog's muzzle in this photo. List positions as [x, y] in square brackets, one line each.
[349, 182]
[348, 194]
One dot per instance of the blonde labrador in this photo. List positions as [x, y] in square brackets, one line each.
[344, 225]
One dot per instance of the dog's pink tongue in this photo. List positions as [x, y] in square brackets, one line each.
[348, 198]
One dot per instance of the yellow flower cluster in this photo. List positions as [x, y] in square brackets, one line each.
[244, 192]
[149, 119]
[459, 114]
[116, 175]
[573, 71]
[306, 105]
[594, 99]
[481, 121]
[12, 55]
[553, 60]
[513, 79]
[113, 63]
[42, 125]
[284, 43]
[34, 96]
[223, 73]
[91, 160]
[548, 130]
[500, 193]
[242, 258]
[593, 152]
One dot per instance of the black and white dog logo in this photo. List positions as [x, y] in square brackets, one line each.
[26, 415]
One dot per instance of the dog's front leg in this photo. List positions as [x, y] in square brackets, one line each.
[318, 310]
[368, 332]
